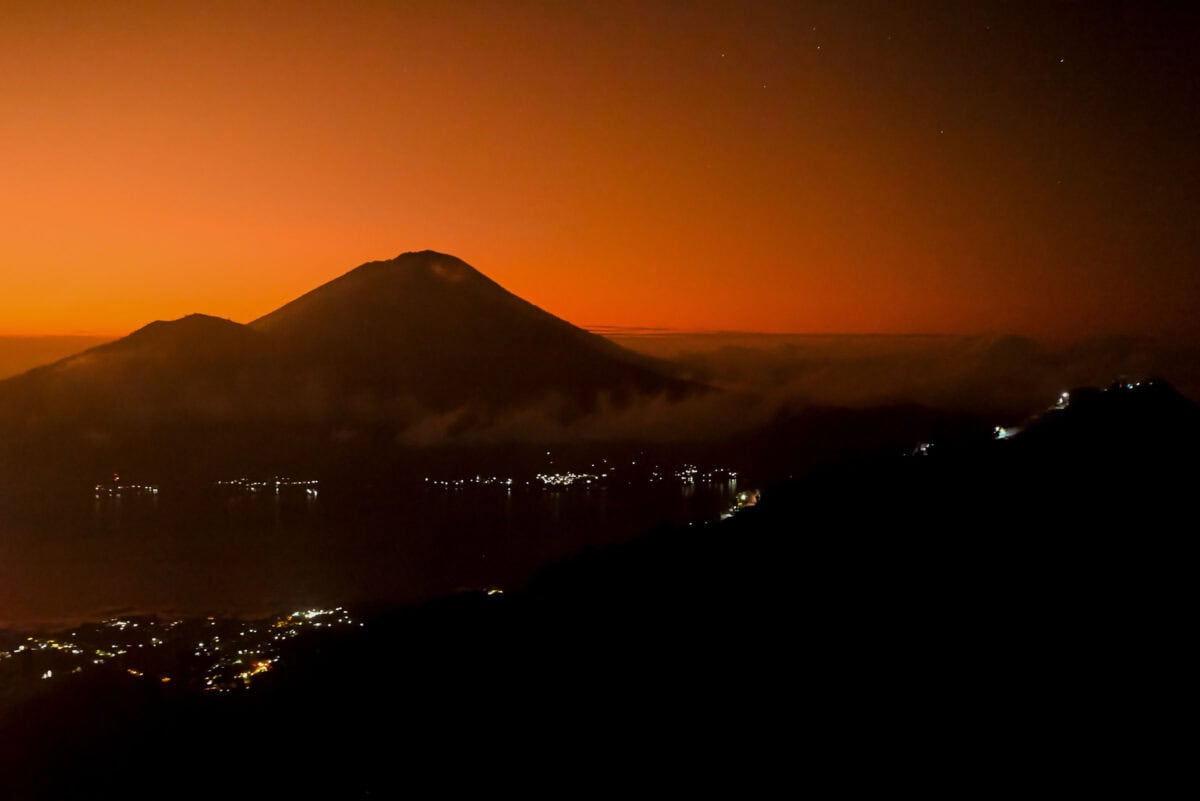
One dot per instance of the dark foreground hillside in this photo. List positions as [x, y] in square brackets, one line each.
[963, 619]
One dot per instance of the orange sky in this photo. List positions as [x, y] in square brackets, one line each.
[790, 167]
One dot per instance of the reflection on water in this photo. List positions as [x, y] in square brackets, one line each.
[240, 553]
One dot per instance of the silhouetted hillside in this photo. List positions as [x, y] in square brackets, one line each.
[886, 612]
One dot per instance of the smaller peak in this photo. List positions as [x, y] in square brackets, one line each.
[190, 326]
[194, 320]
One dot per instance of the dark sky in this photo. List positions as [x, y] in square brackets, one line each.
[958, 167]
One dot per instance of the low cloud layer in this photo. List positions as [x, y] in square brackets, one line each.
[948, 372]
[754, 378]
[18, 354]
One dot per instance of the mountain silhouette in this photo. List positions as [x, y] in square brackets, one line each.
[389, 344]
[432, 328]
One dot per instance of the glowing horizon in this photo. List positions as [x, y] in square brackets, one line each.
[779, 168]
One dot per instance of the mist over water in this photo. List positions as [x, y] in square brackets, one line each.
[961, 373]
[18, 354]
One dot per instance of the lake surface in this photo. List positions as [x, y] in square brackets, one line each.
[206, 551]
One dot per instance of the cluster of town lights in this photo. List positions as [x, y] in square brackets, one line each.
[210, 654]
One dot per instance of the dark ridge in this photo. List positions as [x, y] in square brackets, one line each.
[935, 605]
